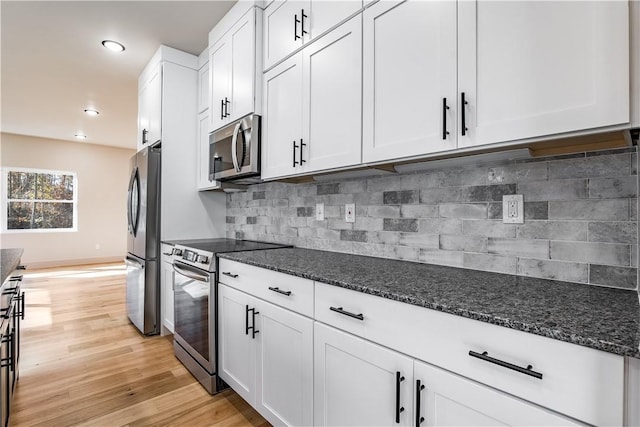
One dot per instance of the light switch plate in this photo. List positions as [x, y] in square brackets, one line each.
[350, 212]
[319, 211]
[513, 209]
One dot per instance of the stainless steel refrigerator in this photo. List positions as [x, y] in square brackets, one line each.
[143, 241]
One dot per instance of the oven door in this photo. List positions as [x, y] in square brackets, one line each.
[234, 150]
[194, 313]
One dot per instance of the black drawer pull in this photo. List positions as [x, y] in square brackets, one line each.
[228, 273]
[280, 291]
[527, 371]
[399, 409]
[15, 278]
[419, 388]
[21, 267]
[346, 313]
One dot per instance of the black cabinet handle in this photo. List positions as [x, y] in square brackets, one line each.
[464, 117]
[445, 107]
[419, 388]
[246, 319]
[21, 267]
[9, 361]
[527, 371]
[221, 109]
[22, 303]
[15, 278]
[280, 291]
[226, 107]
[399, 409]
[227, 273]
[295, 146]
[144, 136]
[254, 331]
[302, 144]
[346, 313]
[253, 321]
[303, 32]
[295, 27]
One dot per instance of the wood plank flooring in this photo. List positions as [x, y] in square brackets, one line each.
[82, 363]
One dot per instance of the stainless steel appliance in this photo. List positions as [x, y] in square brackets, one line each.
[143, 241]
[234, 151]
[195, 303]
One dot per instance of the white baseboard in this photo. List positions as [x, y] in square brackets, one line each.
[72, 262]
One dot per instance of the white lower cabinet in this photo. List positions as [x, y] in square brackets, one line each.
[166, 290]
[266, 356]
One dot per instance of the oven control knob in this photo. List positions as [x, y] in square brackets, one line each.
[177, 251]
[203, 259]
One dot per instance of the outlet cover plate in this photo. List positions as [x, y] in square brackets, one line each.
[350, 212]
[319, 211]
[513, 209]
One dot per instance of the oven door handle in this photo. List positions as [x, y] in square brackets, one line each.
[190, 275]
[234, 147]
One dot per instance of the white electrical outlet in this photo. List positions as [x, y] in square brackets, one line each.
[320, 211]
[350, 212]
[513, 209]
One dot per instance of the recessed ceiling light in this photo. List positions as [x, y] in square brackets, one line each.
[81, 136]
[91, 112]
[114, 46]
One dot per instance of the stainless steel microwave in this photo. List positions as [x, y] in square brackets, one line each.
[234, 151]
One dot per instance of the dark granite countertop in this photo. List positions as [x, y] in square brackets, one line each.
[9, 260]
[603, 318]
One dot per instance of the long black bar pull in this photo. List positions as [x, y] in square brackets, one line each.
[463, 109]
[280, 291]
[296, 21]
[221, 109]
[485, 356]
[254, 331]
[246, 319]
[399, 409]
[347, 313]
[302, 144]
[445, 107]
[295, 146]
[419, 388]
[303, 32]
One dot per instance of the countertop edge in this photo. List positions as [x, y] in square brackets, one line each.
[8, 266]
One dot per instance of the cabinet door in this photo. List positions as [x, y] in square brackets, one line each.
[150, 109]
[282, 31]
[450, 400]
[530, 68]
[332, 99]
[237, 348]
[285, 367]
[203, 88]
[282, 121]
[326, 14]
[355, 382]
[243, 67]
[220, 78]
[166, 282]
[409, 79]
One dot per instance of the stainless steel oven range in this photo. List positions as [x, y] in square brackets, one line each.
[195, 301]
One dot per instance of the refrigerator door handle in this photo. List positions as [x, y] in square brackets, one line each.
[133, 263]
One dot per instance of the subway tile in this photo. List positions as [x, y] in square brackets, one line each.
[565, 189]
[330, 245]
[518, 172]
[353, 187]
[369, 224]
[464, 177]
[419, 211]
[634, 163]
[328, 234]
[384, 237]
[252, 220]
[464, 210]
[405, 253]
[231, 219]
[259, 195]
[440, 226]
[633, 209]
[368, 249]
[591, 167]
[332, 188]
[353, 235]
[400, 224]
[619, 277]
[589, 252]
[613, 232]
[613, 188]
[527, 248]
[490, 262]
[556, 230]
[486, 193]
[420, 181]
[495, 210]
[305, 211]
[404, 197]
[368, 198]
[535, 210]
[420, 240]
[295, 221]
[488, 228]
[634, 256]
[339, 224]
[463, 243]
[340, 199]
[383, 211]
[604, 210]
[278, 203]
[306, 232]
[384, 183]
[264, 220]
[440, 195]
[332, 211]
[554, 270]
[450, 258]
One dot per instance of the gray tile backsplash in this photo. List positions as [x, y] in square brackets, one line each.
[580, 217]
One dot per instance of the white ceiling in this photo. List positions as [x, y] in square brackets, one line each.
[54, 66]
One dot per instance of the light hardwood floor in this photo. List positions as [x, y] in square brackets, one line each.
[83, 363]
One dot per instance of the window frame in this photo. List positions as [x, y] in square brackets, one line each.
[4, 202]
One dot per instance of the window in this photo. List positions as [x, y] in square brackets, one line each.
[39, 200]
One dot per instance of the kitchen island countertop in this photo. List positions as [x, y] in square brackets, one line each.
[9, 260]
[606, 319]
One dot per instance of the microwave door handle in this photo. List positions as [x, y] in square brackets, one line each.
[234, 147]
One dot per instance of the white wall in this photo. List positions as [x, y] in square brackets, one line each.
[103, 175]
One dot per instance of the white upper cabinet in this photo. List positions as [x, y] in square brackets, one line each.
[203, 86]
[289, 24]
[530, 69]
[234, 75]
[150, 107]
[409, 78]
[313, 106]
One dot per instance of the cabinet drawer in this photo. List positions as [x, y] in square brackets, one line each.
[293, 293]
[577, 381]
